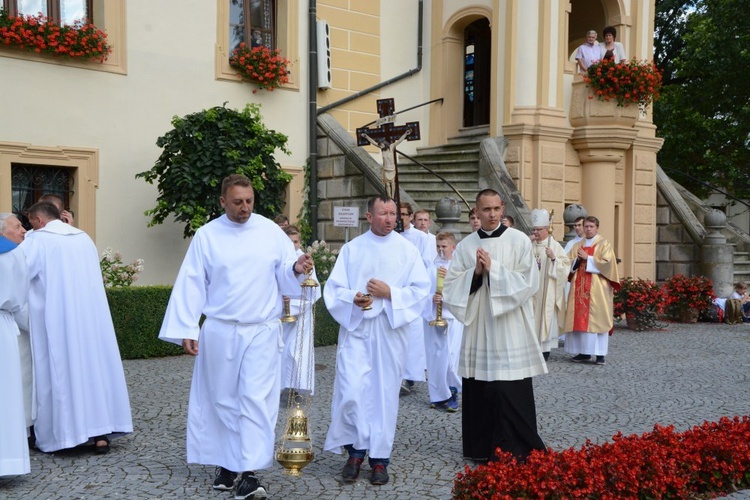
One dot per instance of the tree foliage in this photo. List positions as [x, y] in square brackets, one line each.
[201, 150]
[703, 49]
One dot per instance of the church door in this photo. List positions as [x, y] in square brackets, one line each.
[477, 52]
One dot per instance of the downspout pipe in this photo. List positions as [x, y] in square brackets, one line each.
[312, 88]
[313, 111]
[390, 81]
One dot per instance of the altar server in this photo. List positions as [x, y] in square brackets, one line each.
[80, 383]
[14, 288]
[377, 287]
[234, 273]
[489, 288]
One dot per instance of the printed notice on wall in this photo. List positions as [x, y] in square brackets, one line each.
[346, 216]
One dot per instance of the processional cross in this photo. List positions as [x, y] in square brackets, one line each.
[386, 136]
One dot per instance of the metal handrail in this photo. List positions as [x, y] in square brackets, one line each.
[436, 175]
[710, 186]
[440, 99]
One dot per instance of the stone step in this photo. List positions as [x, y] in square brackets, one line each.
[470, 134]
[468, 148]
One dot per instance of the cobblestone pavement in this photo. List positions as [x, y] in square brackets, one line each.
[683, 375]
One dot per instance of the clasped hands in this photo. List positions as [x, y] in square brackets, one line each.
[483, 262]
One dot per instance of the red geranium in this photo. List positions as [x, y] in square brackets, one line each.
[266, 67]
[626, 83]
[42, 35]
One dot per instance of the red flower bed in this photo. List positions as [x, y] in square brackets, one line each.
[702, 462]
[41, 35]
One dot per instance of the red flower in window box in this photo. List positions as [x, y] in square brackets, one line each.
[628, 83]
[266, 67]
[41, 34]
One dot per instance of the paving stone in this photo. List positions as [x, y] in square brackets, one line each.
[682, 375]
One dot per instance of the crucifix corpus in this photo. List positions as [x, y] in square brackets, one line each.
[386, 136]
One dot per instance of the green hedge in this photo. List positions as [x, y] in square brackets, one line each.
[137, 313]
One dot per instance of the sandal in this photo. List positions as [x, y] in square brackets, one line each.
[101, 449]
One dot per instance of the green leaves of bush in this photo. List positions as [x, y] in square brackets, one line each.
[201, 150]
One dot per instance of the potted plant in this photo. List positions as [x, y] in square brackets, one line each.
[686, 297]
[40, 34]
[635, 82]
[640, 301]
[261, 65]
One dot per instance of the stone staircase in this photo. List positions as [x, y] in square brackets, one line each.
[457, 162]
[742, 267]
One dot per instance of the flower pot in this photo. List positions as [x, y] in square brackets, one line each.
[586, 109]
[689, 316]
[631, 321]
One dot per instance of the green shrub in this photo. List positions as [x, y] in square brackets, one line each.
[326, 328]
[137, 313]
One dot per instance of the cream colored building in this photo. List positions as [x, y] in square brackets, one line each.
[98, 123]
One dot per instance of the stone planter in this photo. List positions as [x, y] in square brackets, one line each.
[586, 112]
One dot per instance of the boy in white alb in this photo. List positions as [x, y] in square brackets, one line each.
[442, 344]
[299, 354]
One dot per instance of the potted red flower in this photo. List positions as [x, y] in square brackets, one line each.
[261, 65]
[641, 302]
[686, 297]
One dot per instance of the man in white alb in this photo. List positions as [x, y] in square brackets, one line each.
[235, 272]
[376, 289]
[14, 288]
[81, 392]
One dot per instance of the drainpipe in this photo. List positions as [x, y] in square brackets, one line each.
[313, 143]
[391, 80]
[312, 87]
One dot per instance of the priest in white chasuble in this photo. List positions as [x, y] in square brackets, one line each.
[377, 287]
[489, 288]
[589, 318]
[235, 272]
[553, 264]
[80, 383]
[14, 290]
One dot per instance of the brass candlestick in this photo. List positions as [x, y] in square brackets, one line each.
[287, 317]
[439, 321]
[296, 450]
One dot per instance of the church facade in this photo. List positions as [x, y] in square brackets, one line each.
[502, 68]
